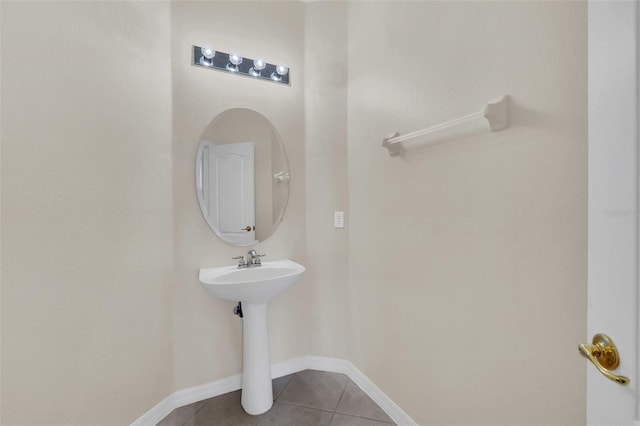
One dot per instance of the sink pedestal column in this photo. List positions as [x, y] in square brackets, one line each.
[257, 393]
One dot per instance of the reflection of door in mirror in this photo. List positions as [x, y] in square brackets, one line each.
[268, 187]
[228, 172]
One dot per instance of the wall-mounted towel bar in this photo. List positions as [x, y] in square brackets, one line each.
[496, 112]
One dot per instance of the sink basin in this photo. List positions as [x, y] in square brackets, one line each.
[254, 287]
[251, 285]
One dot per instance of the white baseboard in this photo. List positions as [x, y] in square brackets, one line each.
[189, 396]
[334, 365]
[157, 413]
[232, 383]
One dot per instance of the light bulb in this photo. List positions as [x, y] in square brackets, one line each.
[208, 52]
[259, 64]
[235, 58]
[282, 69]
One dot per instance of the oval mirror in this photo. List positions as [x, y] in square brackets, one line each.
[242, 177]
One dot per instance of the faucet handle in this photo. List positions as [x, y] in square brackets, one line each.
[257, 258]
[240, 260]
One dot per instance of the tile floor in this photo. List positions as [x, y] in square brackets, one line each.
[307, 398]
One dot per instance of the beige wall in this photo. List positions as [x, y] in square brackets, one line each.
[326, 161]
[206, 335]
[86, 211]
[468, 260]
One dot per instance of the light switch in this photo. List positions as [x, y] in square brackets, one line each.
[338, 219]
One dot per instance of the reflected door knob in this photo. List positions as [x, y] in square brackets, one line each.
[249, 228]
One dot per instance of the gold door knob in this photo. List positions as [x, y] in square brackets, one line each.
[249, 228]
[604, 355]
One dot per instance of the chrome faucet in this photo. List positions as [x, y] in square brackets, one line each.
[251, 257]
[253, 260]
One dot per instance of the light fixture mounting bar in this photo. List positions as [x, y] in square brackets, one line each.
[236, 64]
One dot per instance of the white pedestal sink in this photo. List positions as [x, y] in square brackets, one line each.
[254, 287]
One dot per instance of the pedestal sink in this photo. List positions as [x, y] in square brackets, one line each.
[254, 287]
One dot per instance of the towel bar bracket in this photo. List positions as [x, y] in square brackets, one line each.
[394, 148]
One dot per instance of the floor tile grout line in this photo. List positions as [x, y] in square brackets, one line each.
[353, 415]
[194, 413]
[306, 406]
[365, 418]
[285, 386]
[341, 394]
[339, 399]
[315, 408]
[293, 376]
[261, 417]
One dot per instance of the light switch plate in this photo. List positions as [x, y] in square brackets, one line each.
[338, 219]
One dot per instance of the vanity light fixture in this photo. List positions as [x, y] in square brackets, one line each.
[208, 57]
